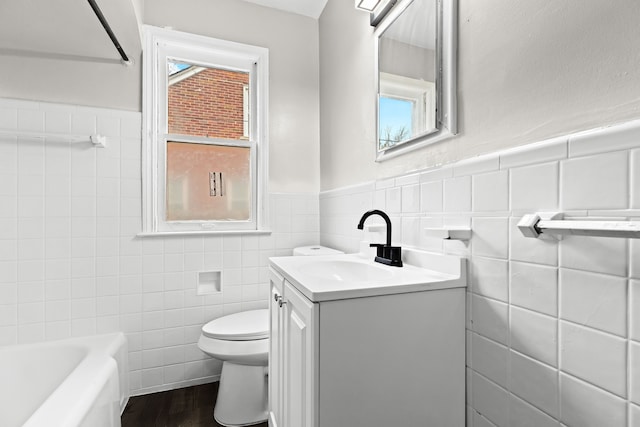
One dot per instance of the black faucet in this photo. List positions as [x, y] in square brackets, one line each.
[386, 254]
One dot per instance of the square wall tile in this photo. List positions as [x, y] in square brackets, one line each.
[477, 420]
[534, 382]
[594, 356]
[490, 277]
[490, 400]
[634, 414]
[595, 182]
[594, 300]
[457, 194]
[531, 250]
[634, 306]
[491, 192]
[490, 359]
[634, 372]
[522, 414]
[535, 335]
[490, 237]
[431, 197]
[490, 318]
[394, 200]
[587, 406]
[634, 264]
[597, 254]
[535, 188]
[534, 287]
[411, 198]
[635, 179]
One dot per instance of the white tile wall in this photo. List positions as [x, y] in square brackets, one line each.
[553, 326]
[70, 261]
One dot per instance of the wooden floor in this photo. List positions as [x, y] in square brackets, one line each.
[185, 407]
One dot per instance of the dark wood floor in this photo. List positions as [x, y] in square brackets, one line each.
[184, 407]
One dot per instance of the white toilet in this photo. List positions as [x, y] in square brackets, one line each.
[241, 341]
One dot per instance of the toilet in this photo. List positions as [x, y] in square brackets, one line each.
[241, 342]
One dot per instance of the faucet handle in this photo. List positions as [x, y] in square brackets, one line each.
[379, 248]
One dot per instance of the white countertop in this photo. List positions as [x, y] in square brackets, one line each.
[334, 277]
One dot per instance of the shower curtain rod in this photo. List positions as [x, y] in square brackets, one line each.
[107, 28]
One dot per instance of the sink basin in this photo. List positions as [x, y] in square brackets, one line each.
[335, 277]
[347, 271]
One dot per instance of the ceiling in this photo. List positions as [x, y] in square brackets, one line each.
[68, 29]
[311, 8]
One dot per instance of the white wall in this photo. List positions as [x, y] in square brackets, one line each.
[70, 261]
[528, 70]
[553, 328]
[292, 41]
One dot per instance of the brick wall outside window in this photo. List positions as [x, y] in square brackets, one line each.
[209, 104]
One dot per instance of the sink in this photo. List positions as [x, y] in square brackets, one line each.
[335, 277]
[347, 271]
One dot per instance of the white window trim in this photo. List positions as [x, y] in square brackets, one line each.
[162, 43]
[422, 95]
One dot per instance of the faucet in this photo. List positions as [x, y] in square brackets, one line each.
[386, 254]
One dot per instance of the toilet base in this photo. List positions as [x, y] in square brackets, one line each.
[242, 395]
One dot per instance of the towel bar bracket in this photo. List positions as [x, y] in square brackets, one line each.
[550, 224]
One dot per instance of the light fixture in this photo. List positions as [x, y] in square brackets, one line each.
[367, 5]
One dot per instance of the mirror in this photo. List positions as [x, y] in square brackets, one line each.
[415, 58]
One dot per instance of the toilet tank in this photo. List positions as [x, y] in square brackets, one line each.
[315, 250]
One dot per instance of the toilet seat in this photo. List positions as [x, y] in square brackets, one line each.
[243, 326]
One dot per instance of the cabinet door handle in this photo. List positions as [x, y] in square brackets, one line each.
[276, 297]
[281, 302]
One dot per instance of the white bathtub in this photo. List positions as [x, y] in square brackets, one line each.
[67, 383]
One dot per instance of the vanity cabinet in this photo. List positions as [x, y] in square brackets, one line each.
[381, 360]
[292, 372]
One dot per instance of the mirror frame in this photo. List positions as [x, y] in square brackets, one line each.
[446, 81]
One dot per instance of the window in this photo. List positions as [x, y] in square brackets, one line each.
[205, 148]
[406, 109]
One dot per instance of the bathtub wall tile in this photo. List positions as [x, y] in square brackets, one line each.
[71, 264]
[526, 297]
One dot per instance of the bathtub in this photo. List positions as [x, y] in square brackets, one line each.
[67, 383]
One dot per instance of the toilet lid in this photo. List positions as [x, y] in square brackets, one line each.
[243, 326]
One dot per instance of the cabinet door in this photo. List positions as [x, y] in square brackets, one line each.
[276, 323]
[300, 370]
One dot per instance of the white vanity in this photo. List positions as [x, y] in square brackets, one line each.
[356, 343]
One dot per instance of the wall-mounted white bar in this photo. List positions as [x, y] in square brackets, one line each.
[535, 225]
[449, 233]
[99, 141]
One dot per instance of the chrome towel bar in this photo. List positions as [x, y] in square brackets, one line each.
[543, 223]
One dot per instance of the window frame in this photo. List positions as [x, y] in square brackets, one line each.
[161, 45]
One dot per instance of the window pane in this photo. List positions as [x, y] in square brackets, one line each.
[209, 102]
[208, 182]
[395, 121]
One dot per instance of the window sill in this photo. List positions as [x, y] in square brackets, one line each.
[203, 233]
